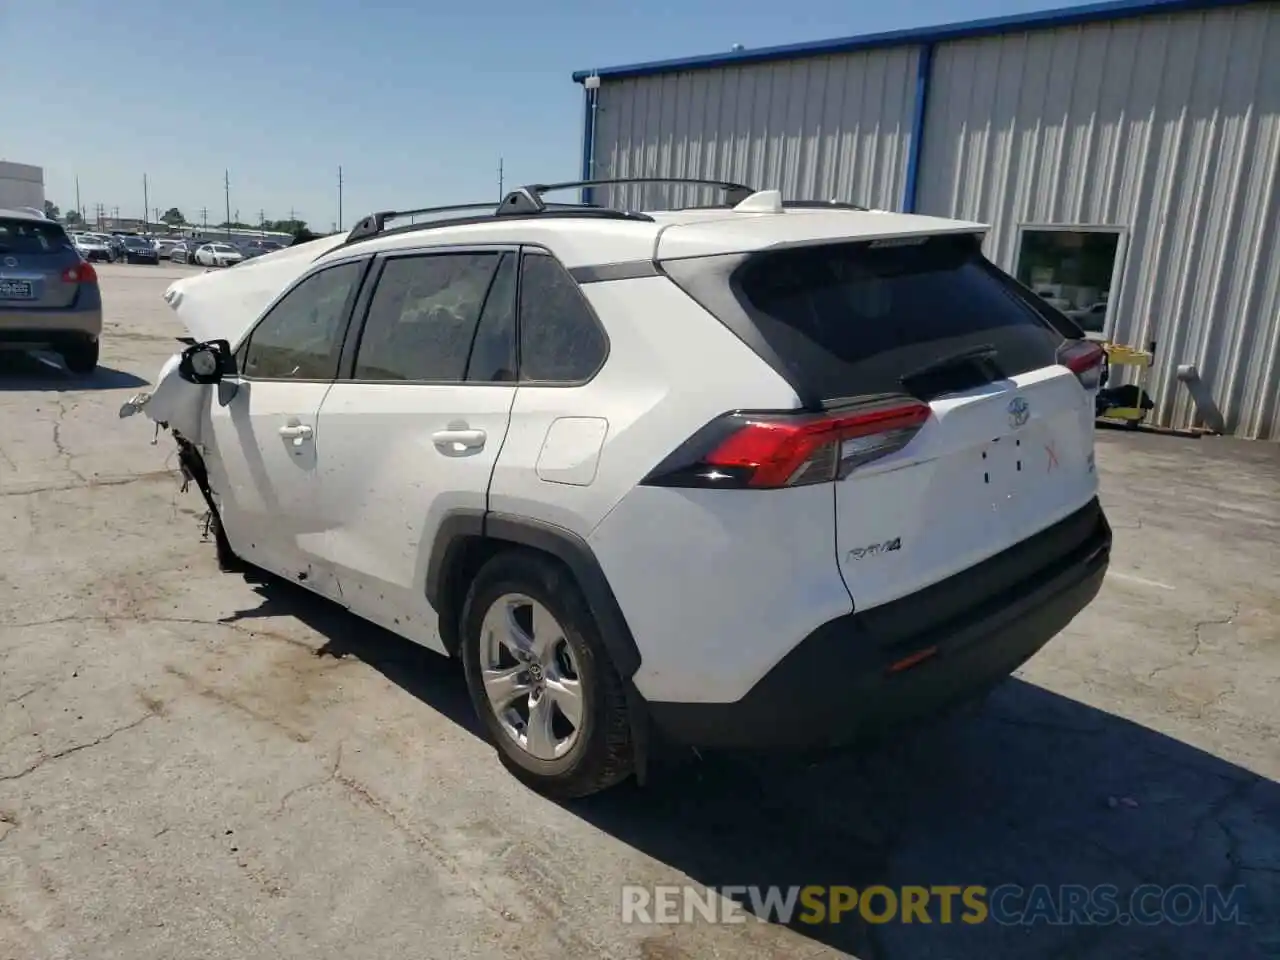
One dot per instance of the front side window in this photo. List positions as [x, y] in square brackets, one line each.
[300, 338]
[423, 317]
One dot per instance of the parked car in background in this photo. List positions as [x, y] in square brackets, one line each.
[139, 250]
[164, 245]
[49, 295]
[256, 248]
[105, 240]
[94, 249]
[184, 251]
[218, 255]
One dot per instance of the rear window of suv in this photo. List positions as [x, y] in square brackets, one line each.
[31, 236]
[850, 319]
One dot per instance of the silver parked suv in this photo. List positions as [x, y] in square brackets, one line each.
[49, 294]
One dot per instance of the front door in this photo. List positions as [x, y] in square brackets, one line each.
[264, 473]
[414, 431]
[266, 449]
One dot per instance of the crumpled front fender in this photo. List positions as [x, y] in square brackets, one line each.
[174, 403]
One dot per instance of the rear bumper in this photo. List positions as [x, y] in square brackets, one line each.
[50, 327]
[839, 685]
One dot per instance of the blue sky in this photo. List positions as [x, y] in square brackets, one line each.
[415, 100]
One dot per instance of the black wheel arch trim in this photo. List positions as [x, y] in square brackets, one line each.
[462, 526]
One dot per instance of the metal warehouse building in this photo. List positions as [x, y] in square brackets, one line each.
[1125, 154]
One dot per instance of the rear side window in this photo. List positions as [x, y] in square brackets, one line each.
[852, 319]
[31, 236]
[560, 340]
[423, 317]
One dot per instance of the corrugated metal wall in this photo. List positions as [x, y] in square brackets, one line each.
[1168, 126]
[820, 128]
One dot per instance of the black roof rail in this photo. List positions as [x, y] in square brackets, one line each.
[528, 199]
[821, 205]
[375, 223]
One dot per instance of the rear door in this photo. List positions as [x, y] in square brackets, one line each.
[414, 426]
[1008, 448]
[35, 256]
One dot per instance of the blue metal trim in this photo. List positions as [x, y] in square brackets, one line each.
[1061, 17]
[588, 140]
[924, 72]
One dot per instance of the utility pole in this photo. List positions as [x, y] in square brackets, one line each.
[115, 218]
[146, 203]
[501, 193]
[226, 195]
[79, 209]
[262, 221]
[339, 197]
[204, 218]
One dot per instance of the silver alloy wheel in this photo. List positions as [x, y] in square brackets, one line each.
[530, 676]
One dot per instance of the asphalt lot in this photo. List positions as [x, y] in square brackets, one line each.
[195, 766]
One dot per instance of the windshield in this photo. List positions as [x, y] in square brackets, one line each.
[135, 242]
[31, 236]
[224, 248]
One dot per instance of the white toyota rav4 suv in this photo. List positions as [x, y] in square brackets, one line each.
[761, 475]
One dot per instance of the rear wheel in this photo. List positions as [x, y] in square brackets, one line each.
[81, 358]
[540, 679]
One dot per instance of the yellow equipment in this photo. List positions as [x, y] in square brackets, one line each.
[1120, 355]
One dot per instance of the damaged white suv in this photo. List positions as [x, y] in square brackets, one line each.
[763, 474]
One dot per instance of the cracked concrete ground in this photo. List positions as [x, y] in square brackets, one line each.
[195, 766]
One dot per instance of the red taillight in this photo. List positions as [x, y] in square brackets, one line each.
[1085, 359]
[80, 273]
[769, 451]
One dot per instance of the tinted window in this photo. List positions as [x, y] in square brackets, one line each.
[423, 316]
[31, 236]
[560, 341]
[301, 337]
[856, 318]
[493, 354]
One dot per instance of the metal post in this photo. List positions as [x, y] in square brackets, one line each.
[339, 198]
[226, 195]
[146, 203]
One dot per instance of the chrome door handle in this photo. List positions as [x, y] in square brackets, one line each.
[297, 432]
[467, 439]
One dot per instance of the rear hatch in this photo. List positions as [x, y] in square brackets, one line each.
[960, 429]
[35, 257]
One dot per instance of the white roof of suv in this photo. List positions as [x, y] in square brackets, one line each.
[760, 222]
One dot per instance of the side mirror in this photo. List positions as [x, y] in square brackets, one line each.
[207, 362]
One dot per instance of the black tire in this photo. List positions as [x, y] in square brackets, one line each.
[81, 358]
[602, 755]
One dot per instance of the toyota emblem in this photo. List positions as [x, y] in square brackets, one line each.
[10, 261]
[1019, 411]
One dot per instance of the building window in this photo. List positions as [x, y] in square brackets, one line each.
[1075, 268]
